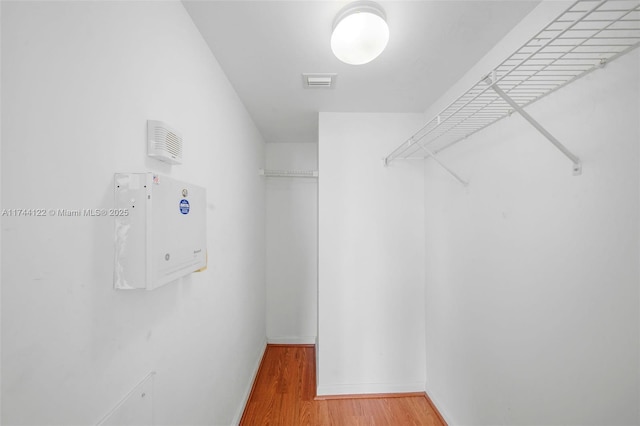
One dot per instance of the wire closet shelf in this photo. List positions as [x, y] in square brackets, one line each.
[585, 37]
[288, 173]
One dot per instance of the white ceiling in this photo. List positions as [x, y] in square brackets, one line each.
[265, 46]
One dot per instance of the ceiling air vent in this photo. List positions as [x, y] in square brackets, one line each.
[319, 81]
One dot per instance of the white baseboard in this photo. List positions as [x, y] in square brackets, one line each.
[369, 388]
[299, 340]
[441, 409]
[247, 392]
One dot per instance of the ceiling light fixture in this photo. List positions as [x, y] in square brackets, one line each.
[360, 33]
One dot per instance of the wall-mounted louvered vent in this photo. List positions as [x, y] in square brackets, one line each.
[319, 81]
[163, 142]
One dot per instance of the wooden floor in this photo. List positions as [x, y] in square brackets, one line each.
[284, 394]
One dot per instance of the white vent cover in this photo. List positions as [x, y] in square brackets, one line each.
[163, 142]
[319, 81]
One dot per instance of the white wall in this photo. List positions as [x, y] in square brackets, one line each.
[0, 219]
[531, 273]
[371, 247]
[292, 245]
[79, 81]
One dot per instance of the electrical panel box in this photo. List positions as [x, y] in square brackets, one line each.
[160, 230]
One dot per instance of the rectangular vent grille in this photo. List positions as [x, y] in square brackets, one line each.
[319, 81]
[168, 141]
[164, 143]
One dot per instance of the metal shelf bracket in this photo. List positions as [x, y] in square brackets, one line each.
[577, 164]
[441, 164]
[429, 153]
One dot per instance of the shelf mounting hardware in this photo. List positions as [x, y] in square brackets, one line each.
[577, 164]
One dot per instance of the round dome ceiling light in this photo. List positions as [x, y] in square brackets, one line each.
[360, 33]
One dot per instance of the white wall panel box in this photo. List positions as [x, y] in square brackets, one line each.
[161, 234]
[163, 142]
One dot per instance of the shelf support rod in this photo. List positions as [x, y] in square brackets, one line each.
[577, 164]
[441, 164]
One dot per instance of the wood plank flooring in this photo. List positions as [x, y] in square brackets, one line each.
[284, 394]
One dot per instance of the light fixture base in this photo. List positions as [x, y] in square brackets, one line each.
[357, 7]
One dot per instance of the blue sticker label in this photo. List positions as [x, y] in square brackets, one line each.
[184, 206]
